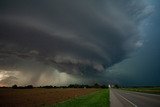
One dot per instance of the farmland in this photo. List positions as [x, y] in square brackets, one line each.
[97, 99]
[39, 97]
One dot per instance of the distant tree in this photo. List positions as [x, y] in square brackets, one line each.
[74, 86]
[62, 86]
[116, 86]
[71, 86]
[14, 86]
[104, 86]
[96, 85]
[29, 86]
[55, 87]
[78, 86]
[50, 86]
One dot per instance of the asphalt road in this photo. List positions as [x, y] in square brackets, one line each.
[120, 98]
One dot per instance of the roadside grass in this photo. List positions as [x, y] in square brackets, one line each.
[154, 90]
[97, 99]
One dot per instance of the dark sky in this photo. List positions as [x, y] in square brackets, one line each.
[78, 41]
[143, 67]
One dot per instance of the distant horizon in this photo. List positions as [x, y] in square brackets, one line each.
[83, 85]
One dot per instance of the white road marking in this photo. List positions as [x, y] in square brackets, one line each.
[128, 100]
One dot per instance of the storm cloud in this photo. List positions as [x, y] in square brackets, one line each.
[76, 37]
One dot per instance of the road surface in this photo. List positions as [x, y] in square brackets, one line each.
[120, 98]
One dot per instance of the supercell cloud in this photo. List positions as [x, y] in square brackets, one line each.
[66, 41]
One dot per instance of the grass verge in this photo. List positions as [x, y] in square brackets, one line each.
[155, 90]
[97, 99]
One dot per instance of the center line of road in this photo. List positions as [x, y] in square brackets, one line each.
[127, 100]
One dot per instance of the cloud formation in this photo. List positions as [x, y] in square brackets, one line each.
[78, 38]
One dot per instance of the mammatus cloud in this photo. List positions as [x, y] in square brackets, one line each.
[75, 39]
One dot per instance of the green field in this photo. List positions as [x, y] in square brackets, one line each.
[154, 90]
[97, 99]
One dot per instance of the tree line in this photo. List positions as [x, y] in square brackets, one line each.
[96, 85]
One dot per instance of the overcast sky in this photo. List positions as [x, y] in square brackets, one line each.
[58, 42]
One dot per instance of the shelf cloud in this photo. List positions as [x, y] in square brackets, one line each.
[76, 38]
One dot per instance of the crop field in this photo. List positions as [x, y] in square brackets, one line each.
[154, 90]
[38, 97]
